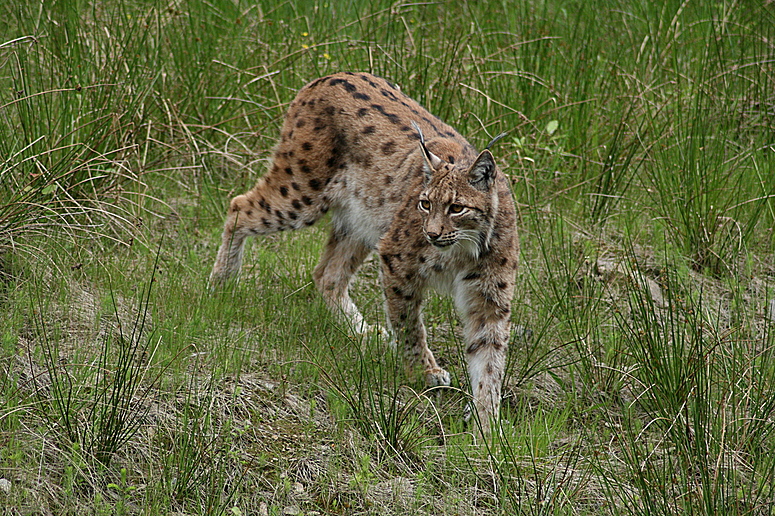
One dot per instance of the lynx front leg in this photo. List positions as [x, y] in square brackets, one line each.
[403, 308]
[486, 335]
[486, 363]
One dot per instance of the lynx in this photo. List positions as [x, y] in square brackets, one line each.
[398, 181]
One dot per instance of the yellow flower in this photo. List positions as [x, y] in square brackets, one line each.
[327, 56]
[305, 34]
[305, 46]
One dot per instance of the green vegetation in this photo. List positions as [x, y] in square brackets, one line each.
[641, 369]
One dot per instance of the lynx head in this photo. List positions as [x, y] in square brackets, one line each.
[459, 201]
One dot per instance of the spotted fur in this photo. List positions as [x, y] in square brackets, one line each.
[398, 181]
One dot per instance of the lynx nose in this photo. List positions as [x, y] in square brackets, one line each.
[432, 237]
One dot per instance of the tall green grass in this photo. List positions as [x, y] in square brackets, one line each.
[640, 151]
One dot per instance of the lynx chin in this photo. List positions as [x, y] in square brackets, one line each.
[398, 181]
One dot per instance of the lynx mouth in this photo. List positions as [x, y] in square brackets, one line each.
[442, 245]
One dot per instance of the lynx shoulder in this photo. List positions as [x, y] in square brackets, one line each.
[400, 182]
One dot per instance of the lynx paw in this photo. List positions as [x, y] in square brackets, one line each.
[437, 377]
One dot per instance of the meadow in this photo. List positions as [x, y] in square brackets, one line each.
[641, 149]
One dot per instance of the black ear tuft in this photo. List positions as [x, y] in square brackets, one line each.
[430, 161]
[482, 172]
[495, 140]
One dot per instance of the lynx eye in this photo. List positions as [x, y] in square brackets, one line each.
[425, 205]
[455, 209]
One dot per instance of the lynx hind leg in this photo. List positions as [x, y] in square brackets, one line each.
[229, 257]
[276, 203]
[341, 259]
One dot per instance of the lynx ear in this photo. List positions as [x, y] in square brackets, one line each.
[430, 161]
[482, 172]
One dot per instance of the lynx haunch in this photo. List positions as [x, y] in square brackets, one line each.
[398, 181]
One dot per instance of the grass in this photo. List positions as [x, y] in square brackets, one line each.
[640, 370]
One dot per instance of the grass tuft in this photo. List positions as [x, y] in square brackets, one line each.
[98, 405]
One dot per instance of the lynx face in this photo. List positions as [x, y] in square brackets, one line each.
[456, 205]
[439, 215]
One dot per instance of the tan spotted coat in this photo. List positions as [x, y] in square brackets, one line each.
[398, 181]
